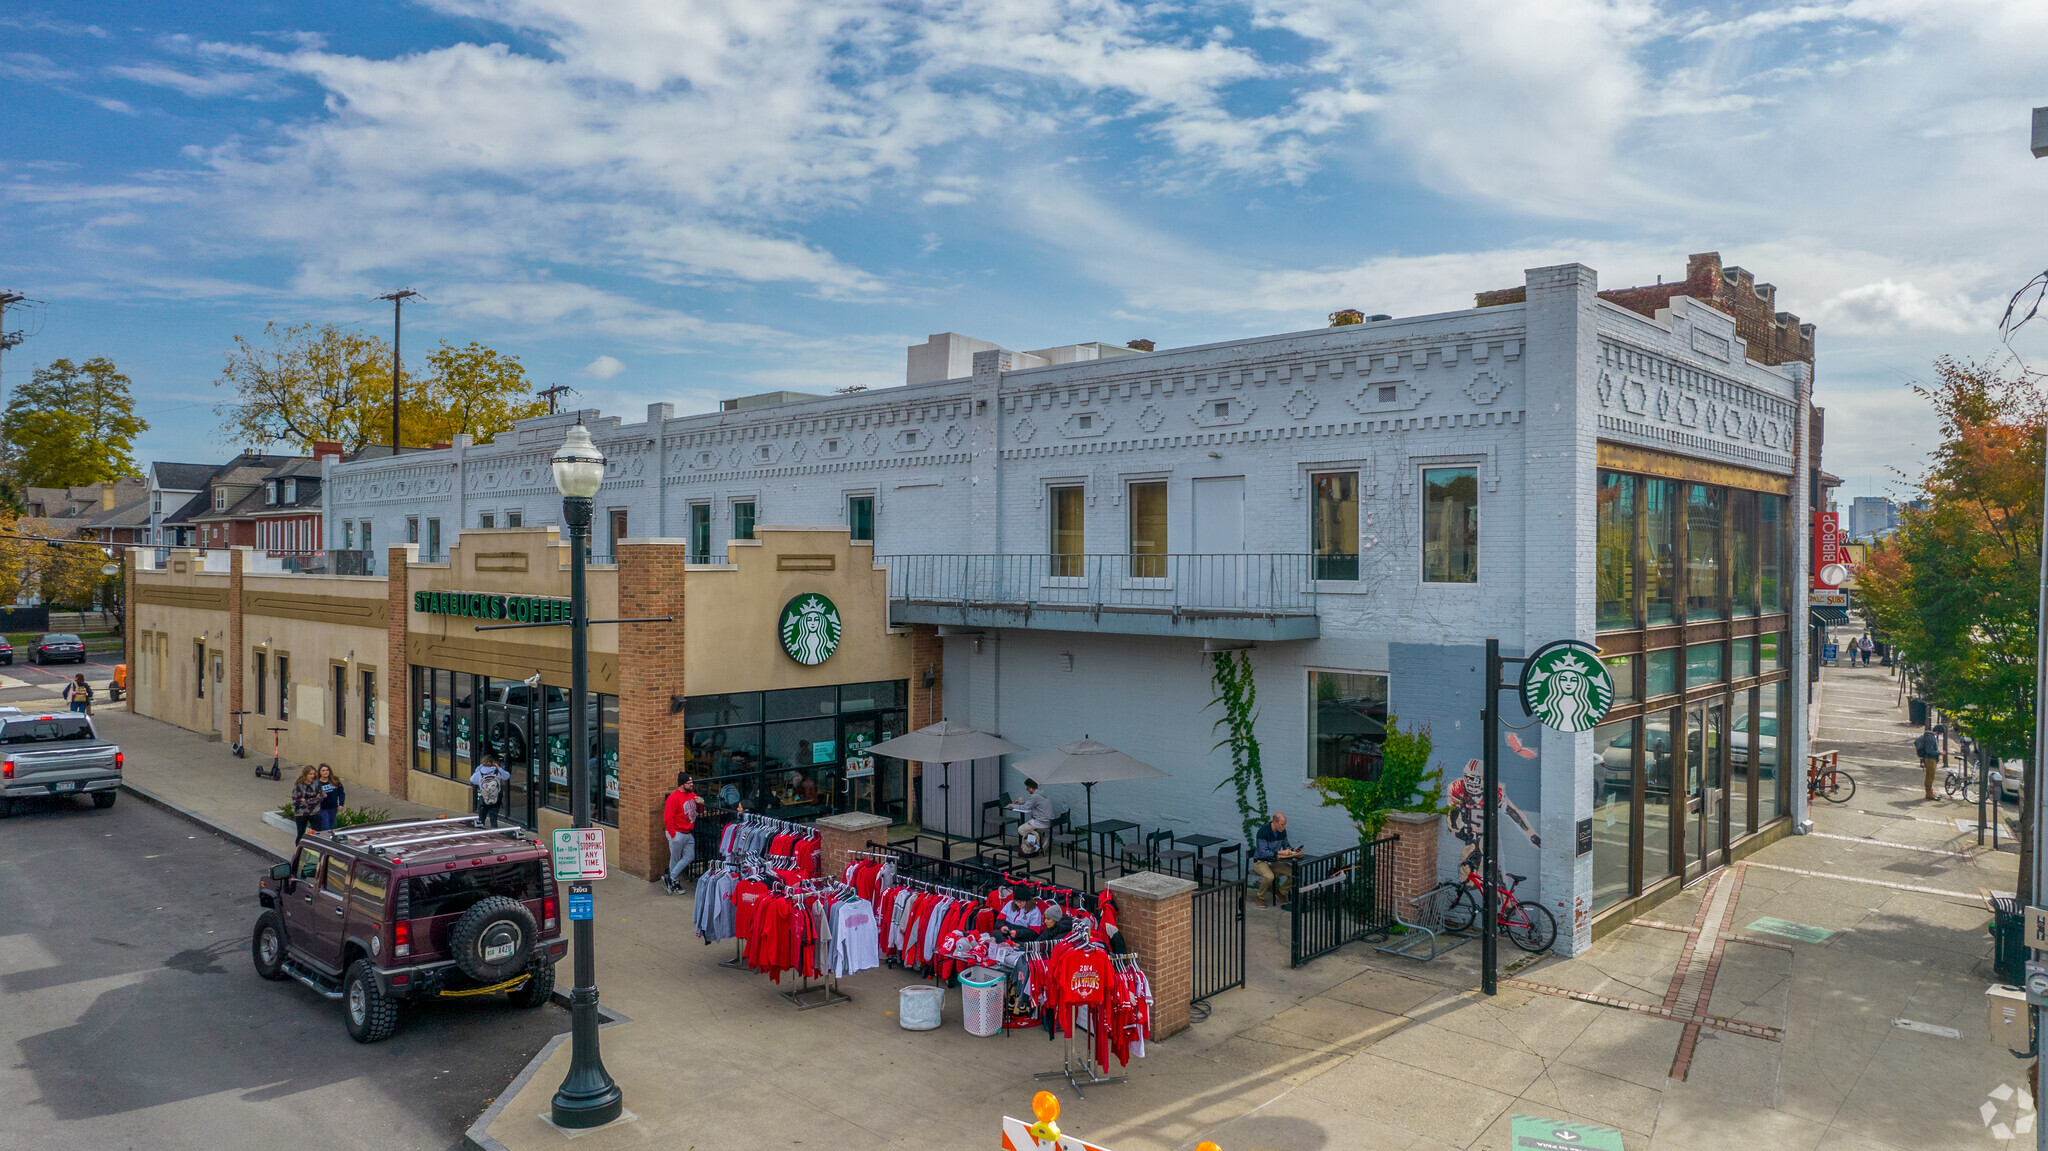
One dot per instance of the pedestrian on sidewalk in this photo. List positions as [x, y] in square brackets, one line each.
[1866, 645]
[679, 823]
[489, 780]
[1928, 748]
[306, 796]
[1273, 857]
[78, 694]
[332, 798]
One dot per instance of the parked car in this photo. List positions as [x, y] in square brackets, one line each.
[59, 647]
[55, 755]
[407, 910]
[2013, 774]
[6, 650]
[1767, 740]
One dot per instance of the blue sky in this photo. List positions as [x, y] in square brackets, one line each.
[690, 199]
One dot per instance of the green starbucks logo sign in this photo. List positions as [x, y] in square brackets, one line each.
[1565, 686]
[809, 629]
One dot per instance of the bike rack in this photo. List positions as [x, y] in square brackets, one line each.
[1429, 928]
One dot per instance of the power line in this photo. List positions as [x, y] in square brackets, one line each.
[552, 393]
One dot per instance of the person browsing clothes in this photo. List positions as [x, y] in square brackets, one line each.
[1273, 858]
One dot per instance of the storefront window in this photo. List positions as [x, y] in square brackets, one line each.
[1623, 669]
[1614, 785]
[1656, 796]
[1702, 665]
[604, 783]
[1661, 668]
[1333, 525]
[1771, 551]
[1347, 723]
[1068, 530]
[1770, 706]
[783, 752]
[1660, 500]
[1743, 654]
[1742, 537]
[801, 703]
[1450, 525]
[1703, 508]
[1740, 755]
[1148, 530]
[1770, 652]
[1616, 579]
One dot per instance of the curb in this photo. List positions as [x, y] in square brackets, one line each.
[234, 837]
[477, 1136]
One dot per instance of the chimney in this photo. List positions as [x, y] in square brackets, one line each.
[107, 496]
[323, 449]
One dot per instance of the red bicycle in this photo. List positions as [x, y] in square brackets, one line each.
[1826, 780]
[1529, 926]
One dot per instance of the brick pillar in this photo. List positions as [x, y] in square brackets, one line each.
[1156, 913]
[852, 831]
[396, 729]
[1413, 870]
[129, 559]
[651, 745]
[927, 705]
[238, 658]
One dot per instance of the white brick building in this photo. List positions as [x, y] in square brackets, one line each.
[1081, 522]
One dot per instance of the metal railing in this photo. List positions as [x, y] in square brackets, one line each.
[352, 561]
[1341, 898]
[1074, 591]
[1217, 926]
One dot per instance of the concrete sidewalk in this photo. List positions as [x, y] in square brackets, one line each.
[1694, 1029]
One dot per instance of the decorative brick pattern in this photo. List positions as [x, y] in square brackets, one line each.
[396, 730]
[238, 656]
[651, 745]
[1156, 914]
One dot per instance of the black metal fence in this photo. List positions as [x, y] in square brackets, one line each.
[1218, 932]
[1338, 899]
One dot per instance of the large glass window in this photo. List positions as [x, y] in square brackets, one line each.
[1450, 525]
[782, 751]
[1333, 525]
[1703, 507]
[1742, 538]
[700, 533]
[1068, 529]
[262, 684]
[743, 520]
[1661, 668]
[1614, 785]
[1703, 665]
[1148, 530]
[1771, 652]
[1347, 723]
[1616, 579]
[1771, 551]
[860, 518]
[1623, 669]
[1656, 796]
[1742, 658]
[604, 783]
[1770, 707]
[1660, 501]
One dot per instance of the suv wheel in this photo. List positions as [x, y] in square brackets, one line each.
[494, 939]
[370, 1014]
[6, 808]
[537, 990]
[266, 946]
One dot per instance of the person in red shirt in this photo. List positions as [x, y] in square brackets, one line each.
[679, 822]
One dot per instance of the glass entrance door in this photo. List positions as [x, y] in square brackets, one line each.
[1706, 787]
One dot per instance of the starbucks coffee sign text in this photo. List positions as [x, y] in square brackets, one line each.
[484, 605]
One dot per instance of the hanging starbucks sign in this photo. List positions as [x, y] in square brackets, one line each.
[809, 629]
[1565, 686]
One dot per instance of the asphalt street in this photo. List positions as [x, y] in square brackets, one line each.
[131, 1017]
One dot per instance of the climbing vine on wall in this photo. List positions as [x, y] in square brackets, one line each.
[1230, 673]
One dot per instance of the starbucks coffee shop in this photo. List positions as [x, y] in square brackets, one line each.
[767, 680]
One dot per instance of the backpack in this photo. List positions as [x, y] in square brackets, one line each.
[1927, 747]
[488, 789]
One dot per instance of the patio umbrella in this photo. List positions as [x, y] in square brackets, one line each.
[944, 743]
[1087, 763]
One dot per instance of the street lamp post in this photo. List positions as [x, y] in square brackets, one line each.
[587, 1097]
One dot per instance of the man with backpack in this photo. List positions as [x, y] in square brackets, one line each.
[1928, 748]
[489, 779]
[679, 823]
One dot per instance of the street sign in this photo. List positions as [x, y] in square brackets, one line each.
[2037, 928]
[582, 904]
[1556, 1135]
[1565, 686]
[1828, 599]
[579, 853]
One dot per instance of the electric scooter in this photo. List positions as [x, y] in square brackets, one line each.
[237, 749]
[276, 754]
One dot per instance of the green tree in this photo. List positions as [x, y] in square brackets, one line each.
[1405, 782]
[473, 391]
[73, 424]
[1956, 586]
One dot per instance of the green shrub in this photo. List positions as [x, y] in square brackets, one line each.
[1405, 783]
[357, 816]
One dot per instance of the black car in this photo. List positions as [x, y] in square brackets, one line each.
[6, 651]
[58, 647]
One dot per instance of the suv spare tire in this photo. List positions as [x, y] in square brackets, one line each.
[494, 939]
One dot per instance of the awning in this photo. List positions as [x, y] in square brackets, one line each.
[1828, 616]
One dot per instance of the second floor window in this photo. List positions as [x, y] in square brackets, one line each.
[1450, 525]
[348, 535]
[515, 518]
[412, 529]
[1068, 530]
[743, 520]
[1148, 530]
[700, 533]
[1333, 525]
[487, 520]
[220, 501]
[860, 518]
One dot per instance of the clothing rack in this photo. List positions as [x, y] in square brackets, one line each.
[828, 992]
[1085, 1073]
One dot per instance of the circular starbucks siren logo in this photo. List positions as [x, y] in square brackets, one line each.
[810, 629]
[1565, 686]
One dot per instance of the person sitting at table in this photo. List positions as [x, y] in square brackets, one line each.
[1273, 859]
[1035, 810]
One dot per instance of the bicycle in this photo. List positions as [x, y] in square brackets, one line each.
[1832, 784]
[236, 749]
[276, 755]
[1960, 783]
[1529, 926]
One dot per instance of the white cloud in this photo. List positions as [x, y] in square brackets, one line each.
[199, 86]
[1889, 308]
[603, 368]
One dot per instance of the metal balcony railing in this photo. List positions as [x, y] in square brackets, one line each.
[1223, 596]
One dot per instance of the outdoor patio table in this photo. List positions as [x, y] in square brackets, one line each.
[1109, 829]
[1200, 843]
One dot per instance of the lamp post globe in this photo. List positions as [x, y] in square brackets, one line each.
[588, 1097]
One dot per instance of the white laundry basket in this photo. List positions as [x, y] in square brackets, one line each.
[981, 1001]
[921, 1007]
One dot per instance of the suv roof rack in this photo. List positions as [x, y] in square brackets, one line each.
[347, 833]
[447, 836]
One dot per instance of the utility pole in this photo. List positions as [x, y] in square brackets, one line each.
[552, 393]
[2033, 794]
[398, 299]
[7, 339]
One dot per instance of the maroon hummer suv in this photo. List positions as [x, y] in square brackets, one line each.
[411, 909]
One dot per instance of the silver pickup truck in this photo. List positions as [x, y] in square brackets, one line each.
[60, 754]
